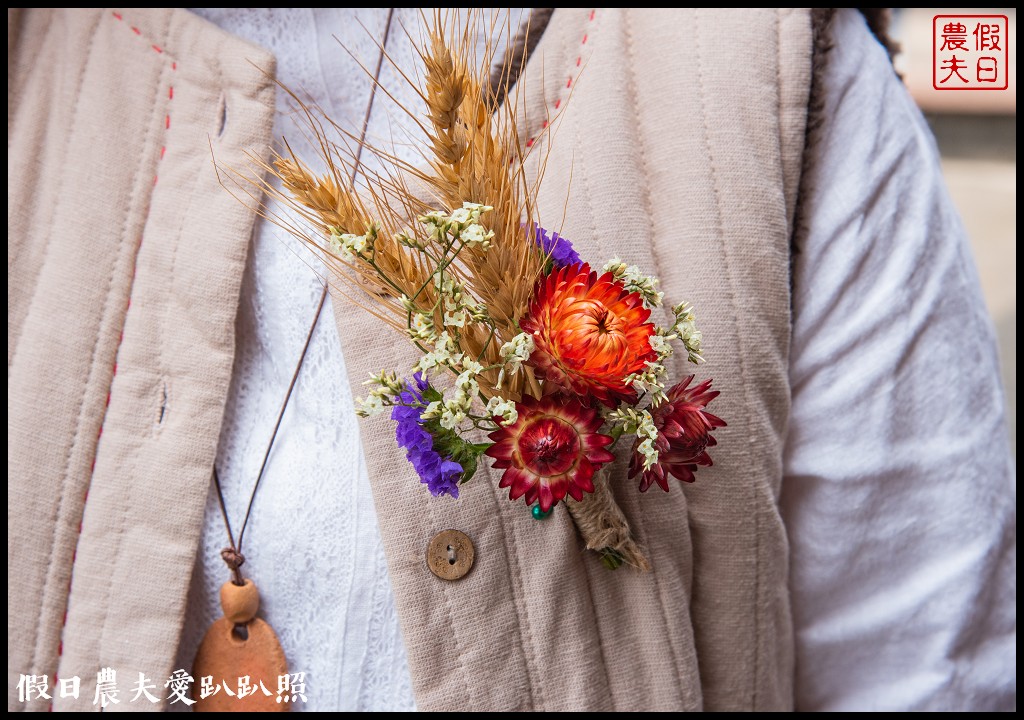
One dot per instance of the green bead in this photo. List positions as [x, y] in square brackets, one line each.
[539, 514]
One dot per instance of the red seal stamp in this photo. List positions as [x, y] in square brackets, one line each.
[970, 52]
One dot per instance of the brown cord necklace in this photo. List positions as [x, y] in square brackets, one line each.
[241, 646]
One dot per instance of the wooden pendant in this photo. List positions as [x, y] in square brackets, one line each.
[239, 645]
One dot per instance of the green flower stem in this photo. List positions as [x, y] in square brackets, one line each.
[483, 350]
[611, 558]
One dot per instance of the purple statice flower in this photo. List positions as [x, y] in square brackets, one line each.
[557, 247]
[439, 474]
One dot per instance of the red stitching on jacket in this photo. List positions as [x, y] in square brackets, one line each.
[163, 151]
[568, 82]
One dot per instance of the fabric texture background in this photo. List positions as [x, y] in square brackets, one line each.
[118, 229]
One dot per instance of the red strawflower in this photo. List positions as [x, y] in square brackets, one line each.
[684, 434]
[589, 333]
[551, 450]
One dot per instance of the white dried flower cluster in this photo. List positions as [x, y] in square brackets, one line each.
[455, 316]
[349, 246]
[384, 386]
[650, 381]
[660, 343]
[465, 225]
[459, 309]
[634, 280]
[456, 408]
[514, 353]
[456, 307]
[505, 409]
[650, 453]
[462, 225]
[641, 424]
[685, 328]
[444, 354]
[453, 408]
[437, 223]
[421, 327]
[372, 404]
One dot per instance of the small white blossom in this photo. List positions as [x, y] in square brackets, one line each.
[461, 216]
[615, 266]
[649, 452]
[383, 387]
[456, 319]
[641, 424]
[650, 381]
[348, 245]
[634, 422]
[434, 217]
[477, 235]
[466, 387]
[437, 222]
[452, 415]
[444, 347]
[472, 366]
[334, 241]
[427, 362]
[476, 208]
[685, 327]
[505, 409]
[432, 410]
[635, 281]
[358, 243]
[660, 344]
[421, 327]
[450, 290]
[370, 405]
[461, 224]
[517, 351]
[646, 428]
[514, 353]
[455, 408]
[444, 353]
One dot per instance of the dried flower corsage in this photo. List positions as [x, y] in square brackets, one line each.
[530, 359]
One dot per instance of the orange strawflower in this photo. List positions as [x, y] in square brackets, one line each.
[589, 333]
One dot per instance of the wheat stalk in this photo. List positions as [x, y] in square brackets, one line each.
[473, 155]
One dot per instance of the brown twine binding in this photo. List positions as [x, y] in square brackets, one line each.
[604, 527]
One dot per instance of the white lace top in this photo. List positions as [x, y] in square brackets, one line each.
[312, 545]
[899, 488]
